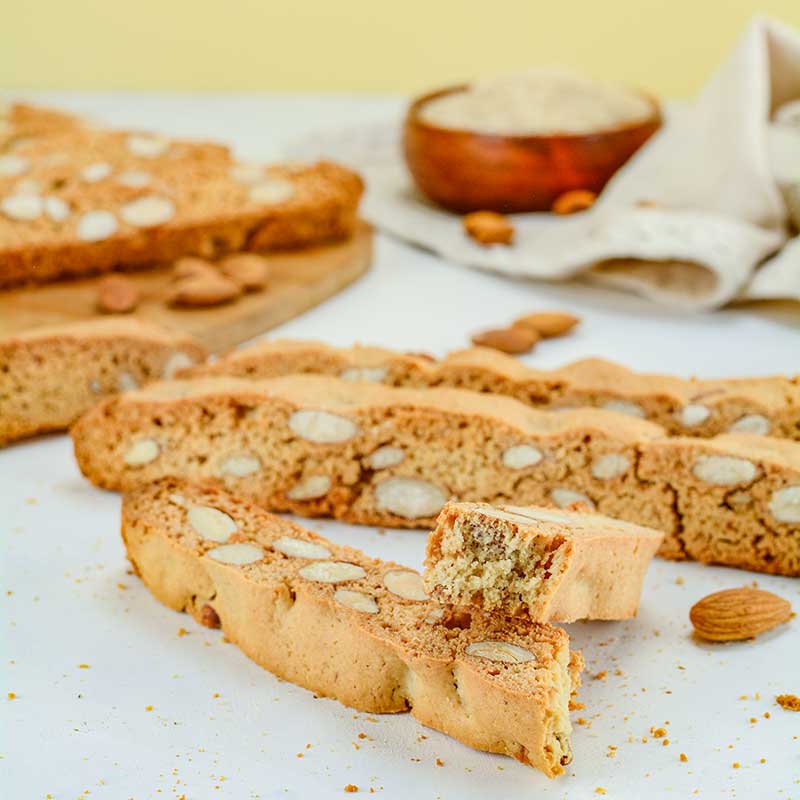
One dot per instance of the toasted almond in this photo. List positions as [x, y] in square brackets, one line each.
[190, 267]
[203, 290]
[736, 614]
[117, 295]
[548, 324]
[507, 340]
[573, 201]
[488, 227]
[248, 270]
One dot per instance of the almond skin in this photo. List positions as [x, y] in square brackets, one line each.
[736, 614]
[548, 324]
[117, 295]
[507, 340]
[488, 227]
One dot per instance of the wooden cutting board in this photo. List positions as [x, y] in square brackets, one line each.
[299, 280]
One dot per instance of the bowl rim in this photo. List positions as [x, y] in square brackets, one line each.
[414, 117]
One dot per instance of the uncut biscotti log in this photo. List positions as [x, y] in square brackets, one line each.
[548, 565]
[50, 376]
[77, 199]
[737, 497]
[768, 406]
[346, 626]
[369, 454]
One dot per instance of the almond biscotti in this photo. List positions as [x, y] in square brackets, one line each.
[546, 564]
[737, 496]
[346, 626]
[768, 406]
[369, 454]
[50, 376]
[77, 200]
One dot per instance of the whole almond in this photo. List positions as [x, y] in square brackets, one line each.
[507, 340]
[488, 227]
[117, 295]
[203, 290]
[548, 324]
[209, 617]
[249, 270]
[736, 614]
[191, 267]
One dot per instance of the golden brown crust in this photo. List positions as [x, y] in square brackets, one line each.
[205, 204]
[769, 405]
[354, 639]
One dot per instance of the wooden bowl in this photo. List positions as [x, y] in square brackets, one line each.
[467, 171]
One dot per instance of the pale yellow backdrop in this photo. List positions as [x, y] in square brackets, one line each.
[356, 45]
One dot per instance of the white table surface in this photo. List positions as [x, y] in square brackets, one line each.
[220, 727]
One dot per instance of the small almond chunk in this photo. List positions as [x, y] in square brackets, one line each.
[142, 452]
[521, 456]
[736, 614]
[500, 651]
[409, 498]
[385, 457]
[148, 212]
[724, 470]
[784, 505]
[240, 466]
[332, 571]
[488, 227]
[573, 201]
[358, 601]
[310, 488]
[322, 427]
[514, 341]
[693, 415]
[238, 554]
[548, 324]
[211, 523]
[117, 295]
[751, 423]
[248, 270]
[203, 291]
[609, 466]
[23, 207]
[300, 548]
[564, 498]
[406, 584]
[95, 226]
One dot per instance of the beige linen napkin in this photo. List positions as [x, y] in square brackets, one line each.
[695, 219]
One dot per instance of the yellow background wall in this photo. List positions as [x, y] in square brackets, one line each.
[345, 45]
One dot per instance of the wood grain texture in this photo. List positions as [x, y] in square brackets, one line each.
[300, 280]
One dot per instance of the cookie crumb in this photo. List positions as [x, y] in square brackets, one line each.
[84, 666]
[599, 790]
[439, 762]
[679, 580]
[148, 708]
[791, 702]
[658, 733]
[600, 675]
[12, 696]
[182, 632]
[351, 787]
[736, 765]
[683, 757]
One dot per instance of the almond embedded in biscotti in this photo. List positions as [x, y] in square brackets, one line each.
[300, 548]
[736, 614]
[208, 617]
[248, 270]
[514, 340]
[322, 427]
[488, 227]
[237, 554]
[332, 571]
[203, 291]
[211, 523]
[500, 651]
[358, 601]
[548, 324]
[409, 498]
[406, 584]
[117, 295]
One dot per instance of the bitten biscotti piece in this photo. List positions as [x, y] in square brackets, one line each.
[738, 498]
[50, 376]
[77, 199]
[767, 406]
[368, 454]
[346, 626]
[546, 564]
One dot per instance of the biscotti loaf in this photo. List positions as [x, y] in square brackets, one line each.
[737, 496]
[384, 456]
[346, 626]
[368, 454]
[546, 564]
[76, 200]
[50, 376]
[769, 405]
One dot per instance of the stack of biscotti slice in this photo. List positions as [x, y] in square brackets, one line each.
[384, 456]
[543, 563]
[768, 406]
[77, 199]
[346, 626]
[50, 376]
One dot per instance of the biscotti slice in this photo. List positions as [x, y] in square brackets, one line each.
[369, 454]
[346, 626]
[768, 406]
[81, 200]
[549, 565]
[50, 376]
[737, 496]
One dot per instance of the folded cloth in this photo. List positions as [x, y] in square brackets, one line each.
[697, 218]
